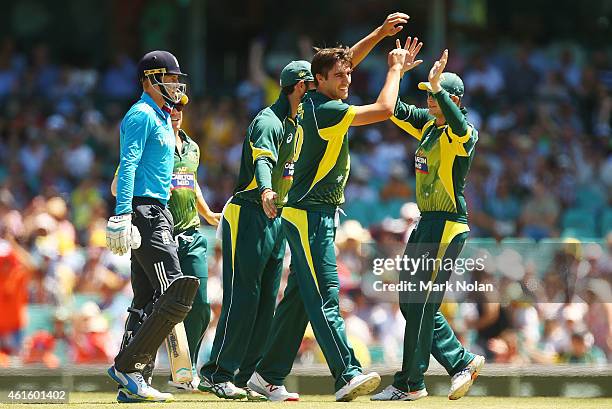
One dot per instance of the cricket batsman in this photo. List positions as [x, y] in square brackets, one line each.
[447, 143]
[309, 221]
[253, 245]
[142, 222]
[186, 204]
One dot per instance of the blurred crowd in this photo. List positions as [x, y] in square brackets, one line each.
[543, 170]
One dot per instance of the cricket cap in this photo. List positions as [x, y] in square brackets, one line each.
[294, 72]
[449, 81]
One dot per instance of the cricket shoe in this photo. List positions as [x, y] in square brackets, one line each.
[463, 380]
[359, 385]
[223, 390]
[274, 393]
[254, 396]
[135, 384]
[125, 396]
[184, 387]
[392, 393]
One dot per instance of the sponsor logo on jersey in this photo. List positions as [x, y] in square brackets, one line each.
[288, 170]
[182, 180]
[290, 138]
[420, 163]
[166, 237]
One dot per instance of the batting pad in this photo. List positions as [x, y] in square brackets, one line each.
[170, 309]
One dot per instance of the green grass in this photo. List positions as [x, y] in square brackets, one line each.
[104, 400]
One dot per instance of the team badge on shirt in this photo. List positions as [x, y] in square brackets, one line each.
[183, 181]
[288, 170]
[420, 163]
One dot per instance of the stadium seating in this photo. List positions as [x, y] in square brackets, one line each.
[590, 198]
[578, 223]
[606, 221]
[40, 317]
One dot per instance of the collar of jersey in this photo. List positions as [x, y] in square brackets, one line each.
[281, 107]
[183, 135]
[146, 98]
[320, 95]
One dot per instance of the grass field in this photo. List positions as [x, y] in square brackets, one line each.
[107, 400]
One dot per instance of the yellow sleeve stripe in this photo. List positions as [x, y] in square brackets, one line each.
[460, 139]
[407, 126]
[427, 125]
[340, 129]
[260, 153]
[117, 171]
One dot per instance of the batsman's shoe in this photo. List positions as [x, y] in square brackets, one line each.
[463, 380]
[125, 396]
[361, 384]
[223, 390]
[135, 384]
[274, 393]
[392, 393]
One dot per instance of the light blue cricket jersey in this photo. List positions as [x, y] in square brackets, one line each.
[146, 154]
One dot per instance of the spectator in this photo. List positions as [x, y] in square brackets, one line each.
[119, 81]
[90, 343]
[396, 187]
[39, 349]
[504, 208]
[15, 271]
[539, 214]
[582, 351]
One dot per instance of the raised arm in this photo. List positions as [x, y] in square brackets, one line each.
[459, 127]
[256, 70]
[390, 27]
[399, 60]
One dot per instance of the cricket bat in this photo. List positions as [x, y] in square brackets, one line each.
[178, 353]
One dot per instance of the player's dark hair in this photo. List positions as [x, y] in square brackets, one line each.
[288, 90]
[325, 59]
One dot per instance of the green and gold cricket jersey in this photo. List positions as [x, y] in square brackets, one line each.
[183, 202]
[322, 159]
[443, 157]
[271, 137]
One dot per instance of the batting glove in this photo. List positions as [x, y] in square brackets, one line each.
[121, 235]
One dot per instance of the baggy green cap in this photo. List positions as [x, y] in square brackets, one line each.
[449, 81]
[295, 71]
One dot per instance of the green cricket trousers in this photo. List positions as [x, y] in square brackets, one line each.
[427, 331]
[192, 247]
[311, 295]
[253, 251]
